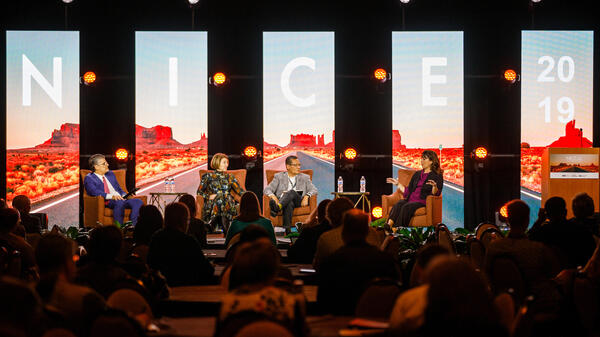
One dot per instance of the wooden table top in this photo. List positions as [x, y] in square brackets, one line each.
[214, 293]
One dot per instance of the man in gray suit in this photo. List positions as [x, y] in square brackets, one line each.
[289, 190]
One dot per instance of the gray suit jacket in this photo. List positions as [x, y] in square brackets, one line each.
[280, 184]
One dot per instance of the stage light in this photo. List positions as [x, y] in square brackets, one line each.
[404, 1]
[510, 75]
[504, 212]
[89, 78]
[121, 154]
[67, 1]
[377, 212]
[536, 1]
[380, 74]
[219, 79]
[193, 2]
[350, 153]
[480, 153]
[250, 152]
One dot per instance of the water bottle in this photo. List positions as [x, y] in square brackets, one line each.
[340, 185]
[166, 184]
[172, 184]
[363, 184]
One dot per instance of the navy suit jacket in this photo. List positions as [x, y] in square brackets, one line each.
[95, 187]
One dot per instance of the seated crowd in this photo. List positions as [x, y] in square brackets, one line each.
[112, 282]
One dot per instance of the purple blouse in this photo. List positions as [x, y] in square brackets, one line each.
[415, 196]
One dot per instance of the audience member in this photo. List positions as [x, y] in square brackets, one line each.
[303, 250]
[252, 233]
[3, 203]
[408, 314]
[536, 262]
[249, 214]
[583, 211]
[32, 224]
[331, 240]
[197, 227]
[9, 219]
[133, 304]
[20, 312]
[573, 243]
[459, 302]
[100, 270]
[344, 274]
[254, 295]
[177, 255]
[149, 222]
[78, 304]
[424, 256]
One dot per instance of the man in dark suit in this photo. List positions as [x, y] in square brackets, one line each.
[104, 183]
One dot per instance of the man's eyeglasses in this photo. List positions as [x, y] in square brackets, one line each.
[296, 165]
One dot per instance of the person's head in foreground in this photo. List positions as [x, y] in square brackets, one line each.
[255, 265]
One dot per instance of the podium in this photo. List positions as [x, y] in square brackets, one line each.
[567, 172]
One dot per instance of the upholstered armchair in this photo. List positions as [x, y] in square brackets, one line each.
[240, 176]
[300, 213]
[430, 215]
[94, 211]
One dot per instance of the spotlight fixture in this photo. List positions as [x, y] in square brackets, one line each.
[511, 75]
[380, 75]
[536, 1]
[89, 78]
[404, 1]
[377, 212]
[122, 154]
[218, 79]
[193, 2]
[250, 152]
[479, 153]
[350, 153]
[504, 212]
[67, 1]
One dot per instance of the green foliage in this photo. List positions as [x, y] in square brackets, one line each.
[463, 231]
[412, 238]
[72, 233]
[378, 223]
[292, 235]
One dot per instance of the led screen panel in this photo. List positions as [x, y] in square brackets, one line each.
[427, 110]
[42, 122]
[298, 103]
[556, 100]
[170, 109]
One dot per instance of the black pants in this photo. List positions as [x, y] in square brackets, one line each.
[290, 200]
[403, 211]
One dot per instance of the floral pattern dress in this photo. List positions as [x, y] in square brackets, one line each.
[221, 184]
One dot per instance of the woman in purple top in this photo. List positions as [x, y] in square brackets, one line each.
[428, 181]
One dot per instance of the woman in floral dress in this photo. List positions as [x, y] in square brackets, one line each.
[215, 187]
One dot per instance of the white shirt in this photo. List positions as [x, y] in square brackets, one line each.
[111, 189]
[291, 183]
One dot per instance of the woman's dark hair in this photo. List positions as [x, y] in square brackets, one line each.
[249, 207]
[177, 216]
[105, 244]
[149, 221]
[322, 211]
[435, 161]
[190, 202]
[583, 206]
[255, 263]
[253, 232]
[335, 210]
[459, 302]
